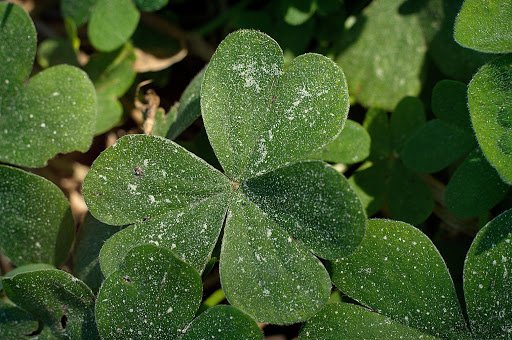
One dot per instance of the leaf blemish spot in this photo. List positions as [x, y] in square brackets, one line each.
[138, 172]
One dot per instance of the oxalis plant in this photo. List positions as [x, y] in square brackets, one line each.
[289, 231]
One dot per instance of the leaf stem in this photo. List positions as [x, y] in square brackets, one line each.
[212, 300]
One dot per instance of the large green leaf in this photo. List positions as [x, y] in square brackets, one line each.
[485, 25]
[487, 285]
[151, 295]
[112, 23]
[409, 198]
[15, 322]
[191, 234]
[89, 240]
[265, 272]
[143, 177]
[490, 104]
[399, 273]
[383, 55]
[256, 115]
[36, 224]
[346, 321]
[62, 302]
[351, 146]
[475, 187]
[53, 113]
[314, 203]
[223, 323]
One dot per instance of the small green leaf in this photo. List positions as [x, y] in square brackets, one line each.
[26, 268]
[475, 187]
[265, 272]
[256, 115]
[62, 302]
[383, 55]
[351, 146]
[408, 117]
[223, 323]
[50, 114]
[369, 183]
[346, 321]
[409, 198]
[15, 322]
[191, 234]
[449, 103]
[52, 52]
[399, 273]
[143, 177]
[376, 122]
[151, 5]
[298, 12]
[487, 285]
[36, 224]
[112, 23]
[485, 26]
[436, 145]
[189, 108]
[79, 11]
[151, 295]
[490, 104]
[314, 203]
[91, 237]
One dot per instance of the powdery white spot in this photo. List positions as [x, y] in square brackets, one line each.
[103, 177]
[266, 292]
[173, 246]
[269, 232]
[43, 125]
[152, 198]
[38, 245]
[55, 94]
[169, 310]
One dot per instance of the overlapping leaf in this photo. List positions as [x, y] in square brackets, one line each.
[63, 303]
[490, 104]
[36, 224]
[53, 113]
[398, 272]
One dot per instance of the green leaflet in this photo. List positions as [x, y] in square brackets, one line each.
[409, 198]
[189, 108]
[63, 303]
[151, 295]
[143, 177]
[490, 104]
[450, 105]
[408, 117]
[398, 272]
[256, 115]
[485, 26]
[376, 122]
[475, 187]
[223, 323]
[191, 233]
[369, 183]
[383, 54]
[487, 285]
[15, 322]
[346, 321]
[112, 23]
[36, 225]
[264, 272]
[89, 240]
[351, 146]
[112, 75]
[150, 5]
[314, 203]
[52, 52]
[79, 11]
[53, 113]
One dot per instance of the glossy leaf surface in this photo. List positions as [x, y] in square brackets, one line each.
[487, 286]
[151, 295]
[256, 115]
[52, 296]
[144, 177]
[490, 104]
[351, 146]
[485, 26]
[346, 321]
[314, 203]
[265, 272]
[398, 272]
[223, 323]
[475, 187]
[36, 224]
[52, 113]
